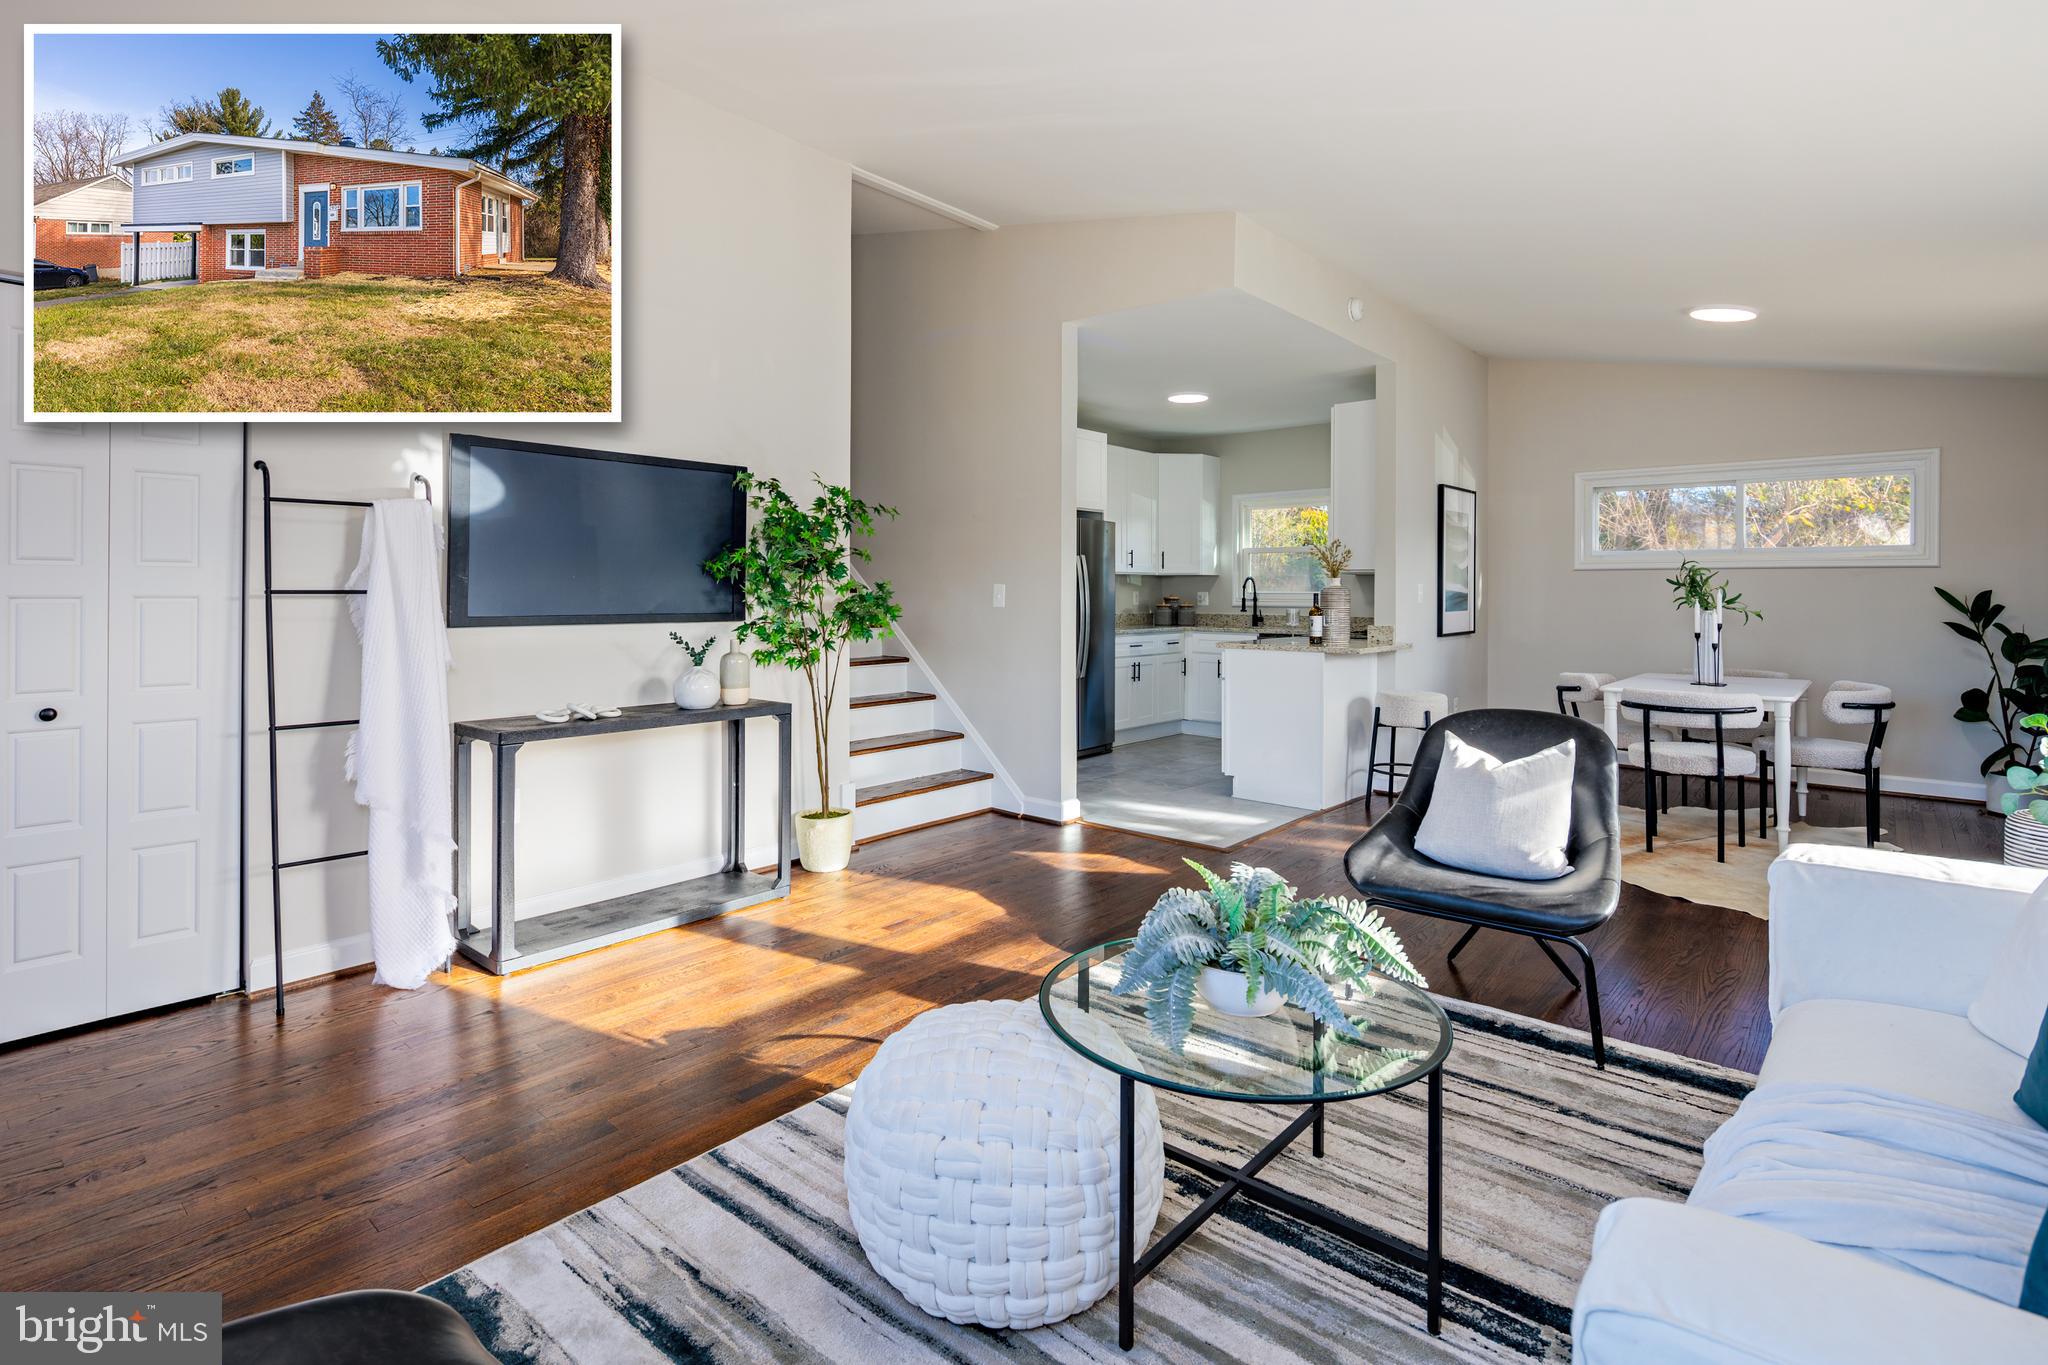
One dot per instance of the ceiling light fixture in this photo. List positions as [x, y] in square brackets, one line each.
[1723, 313]
[1187, 398]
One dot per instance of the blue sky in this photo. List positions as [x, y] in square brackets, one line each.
[138, 74]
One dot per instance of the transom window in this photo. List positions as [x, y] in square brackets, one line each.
[159, 175]
[224, 166]
[88, 229]
[381, 208]
[1273, 533]
[1845, 509]
[245, 251]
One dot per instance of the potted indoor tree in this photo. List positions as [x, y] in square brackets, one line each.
[2017, 686]
[804, 607]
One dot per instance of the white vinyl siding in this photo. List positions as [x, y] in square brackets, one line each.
[225, 167]
[393, 207]
[1838, 509]
[245, 251]
[88, 229]
[165, 175]
[206, 198]
[106, 200]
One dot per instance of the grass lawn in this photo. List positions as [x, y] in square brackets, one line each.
[82, 291]
[491, 342]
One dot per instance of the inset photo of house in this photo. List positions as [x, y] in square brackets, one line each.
[322, 222]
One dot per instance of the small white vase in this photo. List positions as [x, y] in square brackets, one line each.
[697, 690]
[824, 843]
[735, 677]
[1224, 990]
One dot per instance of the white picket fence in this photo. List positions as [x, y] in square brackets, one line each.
[160, 261]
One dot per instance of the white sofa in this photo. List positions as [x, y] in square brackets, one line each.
[1875, 958]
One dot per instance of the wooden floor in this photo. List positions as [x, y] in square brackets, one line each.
[383, 1138]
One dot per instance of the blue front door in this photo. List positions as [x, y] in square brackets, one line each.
[313, 230]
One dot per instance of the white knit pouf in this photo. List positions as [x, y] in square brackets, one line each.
[981, 1165]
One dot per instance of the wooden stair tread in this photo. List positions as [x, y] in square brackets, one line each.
[873, 659]
[910, 739]
[891, 699]
[914, 786]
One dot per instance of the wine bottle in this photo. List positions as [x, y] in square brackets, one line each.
[1315, 619]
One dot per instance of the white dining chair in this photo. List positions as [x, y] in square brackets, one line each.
[1717, 759]
[1863, 705]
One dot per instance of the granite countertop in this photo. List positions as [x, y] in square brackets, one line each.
[1296, 646]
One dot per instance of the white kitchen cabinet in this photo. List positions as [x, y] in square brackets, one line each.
[1354, 477]
[1150, 680]
[1091, 472]
[1134, 507]
[1131, 707]
[1203, 699]
[1186, 536]
[1166, 677]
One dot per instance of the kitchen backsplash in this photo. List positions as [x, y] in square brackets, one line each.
[1275, 623]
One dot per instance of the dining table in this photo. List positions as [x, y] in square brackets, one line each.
[1786, 698]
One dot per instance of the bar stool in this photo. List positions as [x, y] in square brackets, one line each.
[1395, 712]
[1714, 759]
[1845, 703]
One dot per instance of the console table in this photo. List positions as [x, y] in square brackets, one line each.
[505, 946]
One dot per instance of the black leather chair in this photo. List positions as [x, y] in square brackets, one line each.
[364, 1327]
[1388, 872]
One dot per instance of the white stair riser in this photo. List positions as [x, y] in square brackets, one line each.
[886, 817]
[869, 722]
[881, 678]
[892, 765]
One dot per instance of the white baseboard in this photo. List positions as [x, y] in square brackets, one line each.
[1902, 786]
[315, 959]
[1039, 808]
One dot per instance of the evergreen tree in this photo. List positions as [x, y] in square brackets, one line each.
[317, 123]
[540, 103]
[229, 112]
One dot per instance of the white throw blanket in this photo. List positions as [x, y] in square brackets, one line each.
[399, 757]
[1942, 1191]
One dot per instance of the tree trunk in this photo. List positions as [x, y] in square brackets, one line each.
[604, 239]
[583, 140]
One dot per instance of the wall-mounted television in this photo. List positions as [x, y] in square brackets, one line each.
[542, 535]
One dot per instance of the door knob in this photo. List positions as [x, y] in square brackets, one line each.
[48, 713]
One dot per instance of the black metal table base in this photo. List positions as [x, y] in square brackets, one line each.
[1235, 1181]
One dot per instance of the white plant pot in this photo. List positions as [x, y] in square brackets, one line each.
[824, 843]
[697, 690]
[1224, 990]
[2026, 840]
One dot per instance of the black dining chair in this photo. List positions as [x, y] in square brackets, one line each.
[1389, 873]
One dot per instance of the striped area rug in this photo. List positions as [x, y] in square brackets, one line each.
[747, 1253]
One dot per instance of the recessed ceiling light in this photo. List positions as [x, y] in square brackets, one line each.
[1722, 313]
[1187, 398]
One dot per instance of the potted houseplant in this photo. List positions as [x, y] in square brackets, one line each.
[1247, 946]
[2016, 689]
[803, 608]
[2026, 801]
[697, 688]
[1696, 587]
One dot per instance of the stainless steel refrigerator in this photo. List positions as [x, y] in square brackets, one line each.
[1094, 634]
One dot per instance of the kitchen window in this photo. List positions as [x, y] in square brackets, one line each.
[381, 208]
[226, 166]
[88, 229]
[1844, 509]
[163, 175]
[245, 251]
[1273, 533]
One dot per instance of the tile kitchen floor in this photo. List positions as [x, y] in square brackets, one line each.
[1173, 787]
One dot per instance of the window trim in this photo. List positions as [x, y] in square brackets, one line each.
[213, 164]
[1241, 504]
[74, 227]
[353, 194]
[1923, 551]
[161, 175]
[228, 249]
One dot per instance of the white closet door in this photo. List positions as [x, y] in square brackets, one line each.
[53, 508]
[172, 803]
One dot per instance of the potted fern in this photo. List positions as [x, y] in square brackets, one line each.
[1246, 946]
[804, 608]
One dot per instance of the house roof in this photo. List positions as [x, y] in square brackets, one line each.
[51, 191]
[461, 165]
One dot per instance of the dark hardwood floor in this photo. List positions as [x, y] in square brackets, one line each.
[383, 1138]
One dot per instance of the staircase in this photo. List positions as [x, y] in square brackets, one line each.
[281, 272]
[911, 766]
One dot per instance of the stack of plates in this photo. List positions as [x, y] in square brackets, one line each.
[2026, 841]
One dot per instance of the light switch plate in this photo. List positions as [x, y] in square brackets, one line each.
[999, 594]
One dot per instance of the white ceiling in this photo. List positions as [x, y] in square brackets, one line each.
[1261, 366]
[1550, 179]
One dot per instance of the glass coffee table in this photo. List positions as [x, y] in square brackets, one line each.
[1283, 1059]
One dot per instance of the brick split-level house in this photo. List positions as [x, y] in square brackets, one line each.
[79, 222]
[270, 206]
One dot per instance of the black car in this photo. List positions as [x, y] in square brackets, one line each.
[50, 275]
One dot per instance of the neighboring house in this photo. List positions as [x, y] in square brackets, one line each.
[282, 207]
[78, 221]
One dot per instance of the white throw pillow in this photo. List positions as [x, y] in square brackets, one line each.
[1503, 819]
[2014, 996]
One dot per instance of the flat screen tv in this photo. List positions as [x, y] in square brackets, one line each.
[544, 535]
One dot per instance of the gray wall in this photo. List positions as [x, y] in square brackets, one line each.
[257, 198]
[1550, 420]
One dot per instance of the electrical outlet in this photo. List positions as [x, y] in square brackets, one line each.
[1421, 594]
[999, 594]
[1201, 599]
